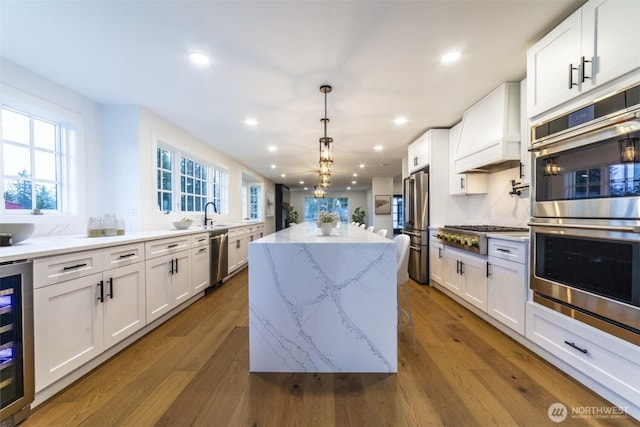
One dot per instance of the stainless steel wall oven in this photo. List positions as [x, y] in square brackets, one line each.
[586, 214]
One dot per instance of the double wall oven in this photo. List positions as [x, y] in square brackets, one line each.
[586, 214]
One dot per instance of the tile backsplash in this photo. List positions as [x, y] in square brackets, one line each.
[498, 207]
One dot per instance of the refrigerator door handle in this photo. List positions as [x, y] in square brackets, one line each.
[415, 248]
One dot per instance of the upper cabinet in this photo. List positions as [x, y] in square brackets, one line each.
[490, 132]
[464, 184]
[596, 44]
[420, 152]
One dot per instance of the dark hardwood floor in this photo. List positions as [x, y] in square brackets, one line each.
[194, 370]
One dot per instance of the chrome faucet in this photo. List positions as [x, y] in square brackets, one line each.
[215, 210]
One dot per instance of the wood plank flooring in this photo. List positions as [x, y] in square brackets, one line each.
[194, 371]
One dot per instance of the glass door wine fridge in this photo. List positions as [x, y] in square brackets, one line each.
[16, 341]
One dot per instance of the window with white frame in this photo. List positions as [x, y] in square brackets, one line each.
[186, 185]
[34, 152]
[254, 202]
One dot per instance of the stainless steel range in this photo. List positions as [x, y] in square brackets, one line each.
[472, 238]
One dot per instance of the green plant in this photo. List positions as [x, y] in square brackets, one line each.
[292, 216]
[359, 215]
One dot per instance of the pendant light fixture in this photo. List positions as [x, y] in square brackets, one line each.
[326, 143]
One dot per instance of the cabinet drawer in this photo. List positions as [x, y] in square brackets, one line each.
[201, 239]
[118, 256]
[156, 248]
[509, 250]
[50, 270]
[612, 362]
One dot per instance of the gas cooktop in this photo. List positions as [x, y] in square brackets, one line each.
[472, 238]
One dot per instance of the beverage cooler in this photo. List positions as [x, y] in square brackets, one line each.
[16, 341]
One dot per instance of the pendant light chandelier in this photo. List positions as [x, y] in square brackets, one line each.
[326, 151]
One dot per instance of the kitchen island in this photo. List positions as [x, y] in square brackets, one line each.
[322, 303]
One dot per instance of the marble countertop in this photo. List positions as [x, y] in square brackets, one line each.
[37, 247]
[309, 233]
[518, 237]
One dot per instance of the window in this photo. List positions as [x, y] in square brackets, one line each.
[186, 184]
[398, 212]
[33, 161]
[338, 205]
[254, 202]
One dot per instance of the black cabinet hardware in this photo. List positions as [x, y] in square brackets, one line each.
[176, 265]
[101, 291]
[127, 256]
[572, 344]
[584, 70]
[73, 267]
[110, 294]
[571, 70]
[171, 270]
[172, 246]
[488, 272]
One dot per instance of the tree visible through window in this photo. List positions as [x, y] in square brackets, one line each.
[31, 152]
[338, 205]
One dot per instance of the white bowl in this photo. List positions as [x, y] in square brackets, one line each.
[19, 231]
[182, 225]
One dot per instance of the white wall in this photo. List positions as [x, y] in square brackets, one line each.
[116, 159]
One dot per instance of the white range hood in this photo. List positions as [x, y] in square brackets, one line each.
[490, 135]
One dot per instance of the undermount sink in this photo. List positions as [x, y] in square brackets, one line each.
[19, 231]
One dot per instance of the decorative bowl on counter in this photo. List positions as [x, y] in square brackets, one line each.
[19, 231]
[182, 225]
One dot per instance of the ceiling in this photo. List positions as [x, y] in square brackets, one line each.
[269, 59]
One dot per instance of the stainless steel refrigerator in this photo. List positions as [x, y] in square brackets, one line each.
[416, 223]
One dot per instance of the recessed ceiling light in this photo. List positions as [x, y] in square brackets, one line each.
[273, 166]
[450, 57]
[361, 165]
[354, 182]
[355, 174]
[199, 58]
[378, 148]
[301, 182]
[251, 122]
[348, 188]
[400, 120]
[283, 175]
[305, 188]
[272, 148]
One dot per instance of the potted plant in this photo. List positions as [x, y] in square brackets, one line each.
[359, 215]
[292, 216]
[327, 221]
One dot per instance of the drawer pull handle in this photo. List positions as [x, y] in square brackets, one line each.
[202, 240]
[73, 267]
[175, 245]
[503, 250]
[127, 256]
[202, 250]
[572, 344]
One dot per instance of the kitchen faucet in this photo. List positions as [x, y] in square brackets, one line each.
[215, 210]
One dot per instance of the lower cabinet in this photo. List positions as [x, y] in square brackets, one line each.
[466, 275]
[76, 320]
[610, 361]
[168, 283]
[239, 239]
[436, 262]
[200, 269]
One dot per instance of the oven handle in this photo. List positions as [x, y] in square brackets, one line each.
[635, 229]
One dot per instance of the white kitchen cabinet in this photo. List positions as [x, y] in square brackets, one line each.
[525, 137]
[465, 274]
[239, 239]
[436, 259]
[421, 150]
[76, 320]
[168, 270]
[68, 327]
[465, 183]
[608, 360]
[507, 282]
[200, 259]
[595, 45]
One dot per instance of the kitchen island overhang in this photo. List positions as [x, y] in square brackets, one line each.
[323, 303]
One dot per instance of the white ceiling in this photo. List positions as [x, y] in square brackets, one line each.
[269, 60]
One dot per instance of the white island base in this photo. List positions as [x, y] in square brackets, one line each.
[322, 303]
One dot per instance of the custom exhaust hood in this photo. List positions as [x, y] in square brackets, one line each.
[490, 135]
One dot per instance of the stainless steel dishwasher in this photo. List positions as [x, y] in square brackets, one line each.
[219, 261]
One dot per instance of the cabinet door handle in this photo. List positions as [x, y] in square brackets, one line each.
[582, 65]
[74, 267]
[461, 183]
[237, 244]
[110, 294]
[176, 265]
[461, 267]
[571, 69]
[127, 256]
[101, 291]
[521, 170]
[572, 344]
[488, 273]
[439, 253]
[171, 270]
